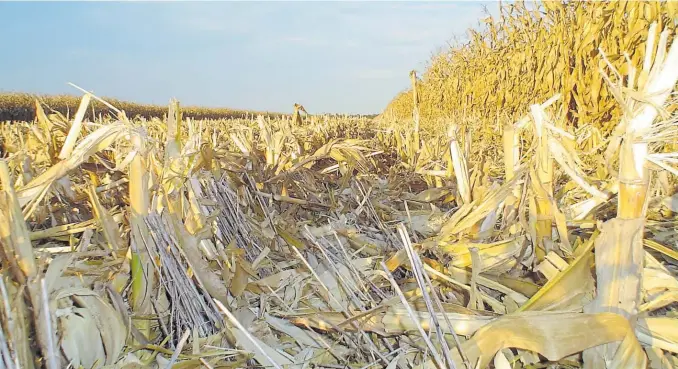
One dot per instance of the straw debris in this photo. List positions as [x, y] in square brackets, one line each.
[535, 229]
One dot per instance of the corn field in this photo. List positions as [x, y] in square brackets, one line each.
[491, 217]
[21, 107]
[529, 54]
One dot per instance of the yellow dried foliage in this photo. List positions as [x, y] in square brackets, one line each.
[531, 53]
[21, 107]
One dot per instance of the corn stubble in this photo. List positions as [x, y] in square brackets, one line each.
[534, 228]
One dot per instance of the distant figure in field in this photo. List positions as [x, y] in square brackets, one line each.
[296, 117]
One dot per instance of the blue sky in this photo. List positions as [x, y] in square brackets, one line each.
[349, 57]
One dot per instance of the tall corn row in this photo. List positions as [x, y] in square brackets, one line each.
[530, 55]
[21, 107]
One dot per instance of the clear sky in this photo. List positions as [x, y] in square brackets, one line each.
[348, 57]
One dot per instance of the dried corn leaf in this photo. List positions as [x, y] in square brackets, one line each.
[489, 203]
[88, 146]
[553, 335]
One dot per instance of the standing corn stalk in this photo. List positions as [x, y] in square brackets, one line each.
[542, 185]
[541, 178]
[173, 145]
[142, 265]
[415, 110]
[460, 166]
[16, 240]
[511, 160]
[76, 127]
[174, 165]
[619, 248]
[296, 116]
